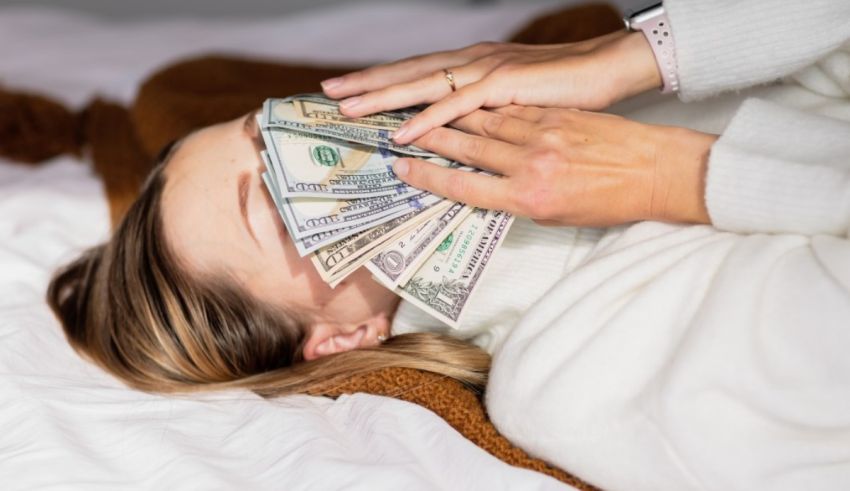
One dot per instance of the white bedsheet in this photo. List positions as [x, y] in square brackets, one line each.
[65, 424]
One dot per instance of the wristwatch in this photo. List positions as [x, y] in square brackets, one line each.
[653, 22]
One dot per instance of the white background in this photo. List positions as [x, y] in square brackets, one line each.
[124, 9]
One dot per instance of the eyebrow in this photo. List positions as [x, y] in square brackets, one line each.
[250, 123]
[250, 128]
[243, 186]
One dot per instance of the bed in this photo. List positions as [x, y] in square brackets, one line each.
[68, 425]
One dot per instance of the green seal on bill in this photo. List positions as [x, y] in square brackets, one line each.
[325, 155]
[446, 243]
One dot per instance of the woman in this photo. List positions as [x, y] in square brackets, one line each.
[201, 288]
[671, 357]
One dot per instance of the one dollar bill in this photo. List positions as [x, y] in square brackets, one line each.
[444, 283]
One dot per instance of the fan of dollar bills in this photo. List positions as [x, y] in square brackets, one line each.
[331, 179]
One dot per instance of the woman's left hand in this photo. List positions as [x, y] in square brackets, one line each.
[568, 167]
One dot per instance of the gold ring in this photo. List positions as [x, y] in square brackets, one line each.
[450, 78]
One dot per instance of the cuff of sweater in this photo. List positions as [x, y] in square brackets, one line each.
[731, 44]
[751, 189]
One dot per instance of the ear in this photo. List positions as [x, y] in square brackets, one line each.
[327, 338]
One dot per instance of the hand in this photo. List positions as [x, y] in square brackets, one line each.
[587, 75]
[569, 167]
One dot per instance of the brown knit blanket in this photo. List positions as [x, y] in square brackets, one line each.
[196, 93]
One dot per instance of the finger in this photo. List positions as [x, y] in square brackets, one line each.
[451, 107]
[406, 70]
[465, 187]
[477, 151]
[497, 126]
[526, 113]
[428, 89]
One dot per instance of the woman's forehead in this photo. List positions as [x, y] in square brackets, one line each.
[200, 198]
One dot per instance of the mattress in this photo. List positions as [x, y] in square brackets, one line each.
[68, 425]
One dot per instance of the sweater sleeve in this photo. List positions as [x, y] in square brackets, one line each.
[733, 44]
[779, 170]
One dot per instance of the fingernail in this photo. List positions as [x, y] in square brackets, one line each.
[400, 167]
[350, 102]
[331, 83]
[400, 132]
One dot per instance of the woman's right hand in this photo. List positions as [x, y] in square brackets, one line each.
[587, 75]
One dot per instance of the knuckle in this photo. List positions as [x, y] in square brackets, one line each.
[542, 163]
[550, 116]
[496, 60]
[472, 149]
[493, 124]
[506, 66]
[540, 169]
[536, 202]
[525, 203]
[552, 137]
[427, 140]
[457, 187]
[484, 48]
[438, 75]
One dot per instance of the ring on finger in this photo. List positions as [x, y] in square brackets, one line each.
[450, 78]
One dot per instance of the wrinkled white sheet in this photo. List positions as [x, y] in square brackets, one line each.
[67, 425]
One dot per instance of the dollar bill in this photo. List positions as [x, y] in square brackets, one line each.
[309, 216]
[319, 167]
[281, 113]
[314, 241]
[320, 109]
[310, 242]
[331, 180]
[398, 260]
[339, 259]
[444, 283]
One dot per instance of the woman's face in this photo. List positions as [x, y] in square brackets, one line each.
[219, 218]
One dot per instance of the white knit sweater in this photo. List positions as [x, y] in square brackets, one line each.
[775, 169]
[695, 357]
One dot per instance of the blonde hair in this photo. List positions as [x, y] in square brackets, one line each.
[129, 307]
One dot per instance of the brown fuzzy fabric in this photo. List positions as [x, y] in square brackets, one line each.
[200, 92]
[456, 404]
[34, 128]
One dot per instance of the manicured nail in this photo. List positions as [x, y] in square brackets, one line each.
[350, 102]
[332, 83]
[400, 167]
[400, 132]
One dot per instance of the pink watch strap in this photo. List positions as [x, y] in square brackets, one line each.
[660, 36]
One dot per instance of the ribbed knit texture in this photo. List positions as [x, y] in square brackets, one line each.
[733, 44]
[780, 170]
[531, 259]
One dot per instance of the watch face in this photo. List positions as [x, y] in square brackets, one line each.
[640, 11]
[635, 19]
